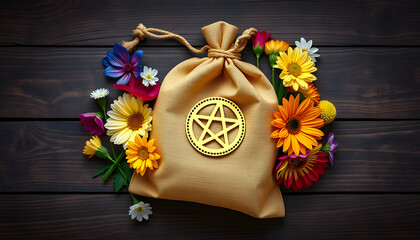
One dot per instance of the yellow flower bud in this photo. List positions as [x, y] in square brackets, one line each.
[328, 111]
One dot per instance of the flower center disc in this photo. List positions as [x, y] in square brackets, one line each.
[294, 69]
[127, 67]
[148, 76]
[293, 126]
[135, 121]
[143, 154]
[298, 163]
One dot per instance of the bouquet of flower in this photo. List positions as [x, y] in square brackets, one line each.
[301, 112]
[128, 124]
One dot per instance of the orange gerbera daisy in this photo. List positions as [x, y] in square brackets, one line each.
[141, 154]
[297, 125]
[311, 93]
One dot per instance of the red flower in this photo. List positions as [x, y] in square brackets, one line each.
[300, 171]
[259, 39]
[258, 42]
[136, 87]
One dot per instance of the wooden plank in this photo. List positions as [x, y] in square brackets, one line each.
[105, 22]
[56, 82]
[96, 216]
[46, 157]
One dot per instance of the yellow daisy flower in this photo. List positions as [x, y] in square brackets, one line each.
[94, 147]
[127, 119]
[141, 154]
[297, 68]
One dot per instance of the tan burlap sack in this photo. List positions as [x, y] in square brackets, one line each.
[232, 95]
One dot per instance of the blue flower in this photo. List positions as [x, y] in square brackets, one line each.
[118, 64]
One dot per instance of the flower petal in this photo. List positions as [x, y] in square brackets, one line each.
[114, 60]
[121, 53]
[136, 71]
[106, 62]
[114, 72]
[295, 145]
[124, 79]
[136, 58]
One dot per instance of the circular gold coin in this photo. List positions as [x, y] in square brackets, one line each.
[222, 112]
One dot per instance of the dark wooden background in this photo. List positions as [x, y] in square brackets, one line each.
[50, 60]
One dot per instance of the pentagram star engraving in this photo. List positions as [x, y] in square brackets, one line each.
[228, 142]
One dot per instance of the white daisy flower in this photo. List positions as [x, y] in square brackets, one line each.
[149, 76]
[140, 210]
[99, 93]
[307, 46]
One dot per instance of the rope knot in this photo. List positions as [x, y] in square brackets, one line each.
[140, 32]
[213, 52]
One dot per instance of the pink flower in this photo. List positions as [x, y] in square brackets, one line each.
[260, 38]
[258, 42]
[92, 123]
[136, 87]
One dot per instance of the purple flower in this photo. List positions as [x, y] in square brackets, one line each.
[332, 147]
[119, 65]
[92, 123]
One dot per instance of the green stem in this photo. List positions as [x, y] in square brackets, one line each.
[281, 89]
[112, 145]
[272, 78]
[276, 86]
[122, 173]
[127, 183]
[284, 92]
[135, 201]
[112, 168]
[258, 60]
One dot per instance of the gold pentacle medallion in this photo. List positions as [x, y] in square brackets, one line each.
[215, 126]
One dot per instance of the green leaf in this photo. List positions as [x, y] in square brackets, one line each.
[99, 115]
[101, 170]
[128, 172]
[118, 182]
[325, 148]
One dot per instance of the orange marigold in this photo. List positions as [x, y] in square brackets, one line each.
[275, 47]
[311, 93]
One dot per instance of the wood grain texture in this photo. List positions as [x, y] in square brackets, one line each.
[46, 157]
[104, 22]
[50, 60]
[104, 216]
[56, 82]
